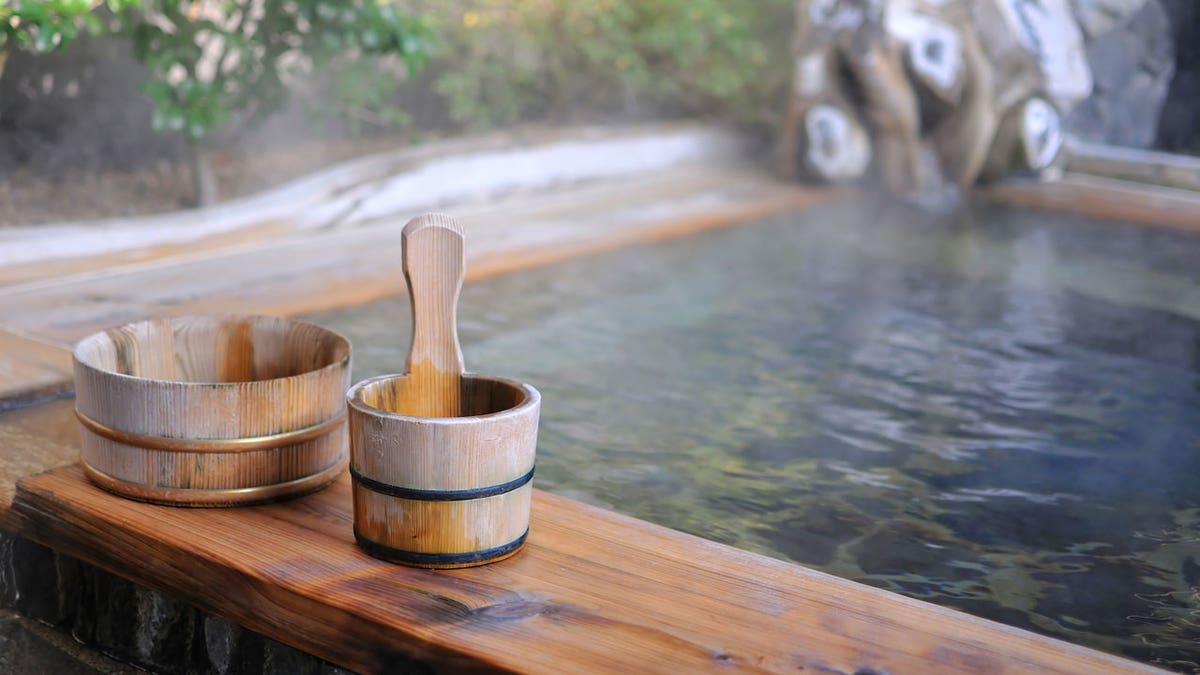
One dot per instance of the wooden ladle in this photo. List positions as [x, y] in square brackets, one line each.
[434, 252]
[442, 460]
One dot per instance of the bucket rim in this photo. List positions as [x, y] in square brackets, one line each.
[342, 363]
[532, 399]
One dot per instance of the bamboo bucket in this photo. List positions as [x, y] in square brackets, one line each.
[441, 461]
[212, 411]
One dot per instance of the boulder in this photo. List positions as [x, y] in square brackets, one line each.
[1132, 69]
[1179, 127]
[1097, 17]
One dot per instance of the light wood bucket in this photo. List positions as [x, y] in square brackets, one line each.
[212, 411]
[442, 461]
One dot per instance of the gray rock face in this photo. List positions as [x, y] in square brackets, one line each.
[56, 612]
[1179, 129]
[28, 647]
[1097, 17]
[1132, 67]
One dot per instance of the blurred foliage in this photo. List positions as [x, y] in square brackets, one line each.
[211, 62]
[504, 61]
[45, 25]
[361, 96]
[215, 62]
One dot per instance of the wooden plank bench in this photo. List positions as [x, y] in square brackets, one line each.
[1105, 198]
[31, 370]
[592, 590]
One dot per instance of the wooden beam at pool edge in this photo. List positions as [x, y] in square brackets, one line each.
[1104, 198]
[32, 370]
[371, 283]
[318, 272]
[33, 440]
[786, 202]
[593, 590]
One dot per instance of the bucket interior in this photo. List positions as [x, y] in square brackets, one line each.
[214, 349]
[479, 395]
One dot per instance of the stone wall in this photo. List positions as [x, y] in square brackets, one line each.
[1179, 126]
[128, 623]
[1132, 62]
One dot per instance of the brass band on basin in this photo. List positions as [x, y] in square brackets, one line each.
[246, 444]
[220, 497]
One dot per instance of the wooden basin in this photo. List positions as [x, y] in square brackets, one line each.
[212, 411]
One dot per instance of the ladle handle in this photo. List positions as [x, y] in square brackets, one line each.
[434, 266]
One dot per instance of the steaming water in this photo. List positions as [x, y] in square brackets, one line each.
[997, 411]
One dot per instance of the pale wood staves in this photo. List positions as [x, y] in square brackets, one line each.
[434, 265]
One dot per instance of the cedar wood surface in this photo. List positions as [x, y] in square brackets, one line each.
[31, 369]
[591, 590]
[1104, 198]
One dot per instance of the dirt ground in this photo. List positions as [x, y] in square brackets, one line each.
[26, 199]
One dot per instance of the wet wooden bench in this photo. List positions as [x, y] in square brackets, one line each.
[592, 590]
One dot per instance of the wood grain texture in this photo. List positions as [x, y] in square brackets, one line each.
[215, 243]
[442, 528]
[329, 269]
[493, 444]
[212, 410]
[891, 106]
[592, 590]
[31, 370]
[1134, 164]
[434, 253]
[441, 461]
[1106, 198]
[33, 440]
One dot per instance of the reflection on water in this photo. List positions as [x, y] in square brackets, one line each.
[1001, 416]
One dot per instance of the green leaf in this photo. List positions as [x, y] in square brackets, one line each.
[158, 120]
[371, 39]
[196, 130]
[33, 12]
[93, 24]
[175, 119]
[69, 7]
[190, 99]
[46, 38]
[145, 40]
[327, 11]
[159, 92]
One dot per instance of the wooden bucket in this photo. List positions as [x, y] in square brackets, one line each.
[212, 411]
[441, 461]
